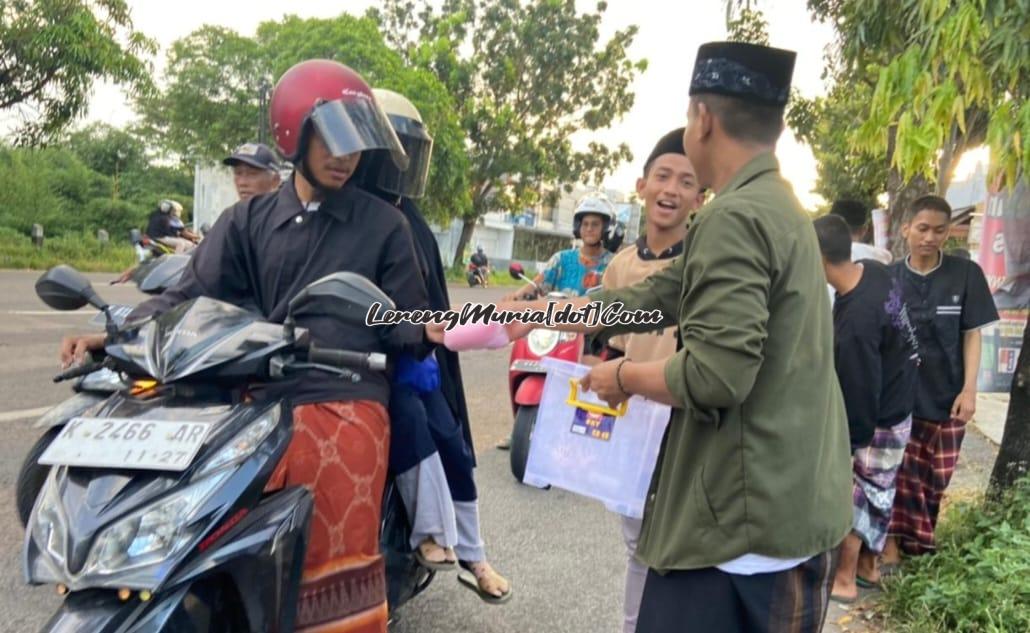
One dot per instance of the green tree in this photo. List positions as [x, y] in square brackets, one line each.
[209, 101]
[744, 24]
[945, 77]
[824, 124]
[525, 75]
[214, 77]
[52, 52]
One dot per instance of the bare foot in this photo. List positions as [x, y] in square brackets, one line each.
[490, 582]
[844, 591]
[868, 569]
[891, 553]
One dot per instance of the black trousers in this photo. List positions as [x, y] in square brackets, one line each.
[712, 601]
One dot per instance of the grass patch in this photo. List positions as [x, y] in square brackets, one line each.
[83, 252]
[979, 578]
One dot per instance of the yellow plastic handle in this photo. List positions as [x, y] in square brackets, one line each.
[574, 400]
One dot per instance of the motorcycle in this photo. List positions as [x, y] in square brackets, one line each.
[153, 515]
[526, 374]
[478, 276]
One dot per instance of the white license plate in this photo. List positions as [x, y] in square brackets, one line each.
[127, 443]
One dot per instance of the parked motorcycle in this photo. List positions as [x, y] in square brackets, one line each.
[526, 374]
[153, 515]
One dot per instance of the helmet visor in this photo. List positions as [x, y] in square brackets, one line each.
[357, 126]
[418, 145]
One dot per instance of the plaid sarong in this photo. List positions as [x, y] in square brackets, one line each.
[930, 459]
[339, 451]
[875, 471]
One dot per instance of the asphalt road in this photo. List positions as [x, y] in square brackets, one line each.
[562, 553]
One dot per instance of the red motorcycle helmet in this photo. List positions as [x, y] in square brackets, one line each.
[327, 97]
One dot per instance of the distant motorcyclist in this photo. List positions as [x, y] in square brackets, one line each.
[255, 170]
[165, 225]
[480, 266]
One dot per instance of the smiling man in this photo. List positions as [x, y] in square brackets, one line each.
[670, 192]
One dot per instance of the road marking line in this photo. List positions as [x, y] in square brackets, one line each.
[11, 416]
[47, 312]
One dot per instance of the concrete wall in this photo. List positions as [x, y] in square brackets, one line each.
[213, 192]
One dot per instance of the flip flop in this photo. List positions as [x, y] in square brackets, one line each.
[842, 600]
[444, 565]
[867, 584]
[467, 578]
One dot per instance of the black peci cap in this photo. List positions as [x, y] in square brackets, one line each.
[759, 74]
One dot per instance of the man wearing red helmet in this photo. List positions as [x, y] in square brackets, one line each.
[262, 251]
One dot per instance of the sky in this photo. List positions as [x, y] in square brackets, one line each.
[670, 32]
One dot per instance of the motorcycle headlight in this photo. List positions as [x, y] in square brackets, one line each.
[152, 534]
[244, 444]
[542, 342]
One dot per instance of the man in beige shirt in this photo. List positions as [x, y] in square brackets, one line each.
[670, 192]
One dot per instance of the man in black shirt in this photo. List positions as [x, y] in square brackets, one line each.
[262, 252]
[949, 302]
[876, 358]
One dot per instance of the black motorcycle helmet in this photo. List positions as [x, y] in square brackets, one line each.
[377, 173]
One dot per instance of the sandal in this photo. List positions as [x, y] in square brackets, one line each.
[429, 546]
[481, 578]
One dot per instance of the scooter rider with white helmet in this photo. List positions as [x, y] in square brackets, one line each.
[575, 270]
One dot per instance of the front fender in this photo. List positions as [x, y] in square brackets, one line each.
[74, 406]
[530, 390]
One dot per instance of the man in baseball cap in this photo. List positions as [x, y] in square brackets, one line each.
[255, 170]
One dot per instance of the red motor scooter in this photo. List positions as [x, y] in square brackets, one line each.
[526, 374]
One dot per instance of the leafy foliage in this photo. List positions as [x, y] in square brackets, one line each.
[525, 77]
[979, 578]
[824, 124]
[949, 75]
[214, 78]
[51, 53]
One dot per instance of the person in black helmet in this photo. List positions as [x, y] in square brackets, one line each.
[431, 455]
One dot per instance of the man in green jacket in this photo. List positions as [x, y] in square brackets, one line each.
[752, 492]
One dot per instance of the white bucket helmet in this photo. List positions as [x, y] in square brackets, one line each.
[594, 204]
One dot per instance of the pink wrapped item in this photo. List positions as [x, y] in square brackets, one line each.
[475, 336]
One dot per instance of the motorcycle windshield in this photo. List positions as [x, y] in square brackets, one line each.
[160, 274]
[198, 335]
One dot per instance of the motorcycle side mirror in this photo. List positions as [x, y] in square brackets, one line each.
[64, 288]
[344, 295]
[515, 270]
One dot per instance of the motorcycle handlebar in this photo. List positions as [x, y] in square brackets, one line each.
[75, 372]
[343, 358]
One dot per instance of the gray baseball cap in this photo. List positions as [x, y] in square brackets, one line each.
[254, 154]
